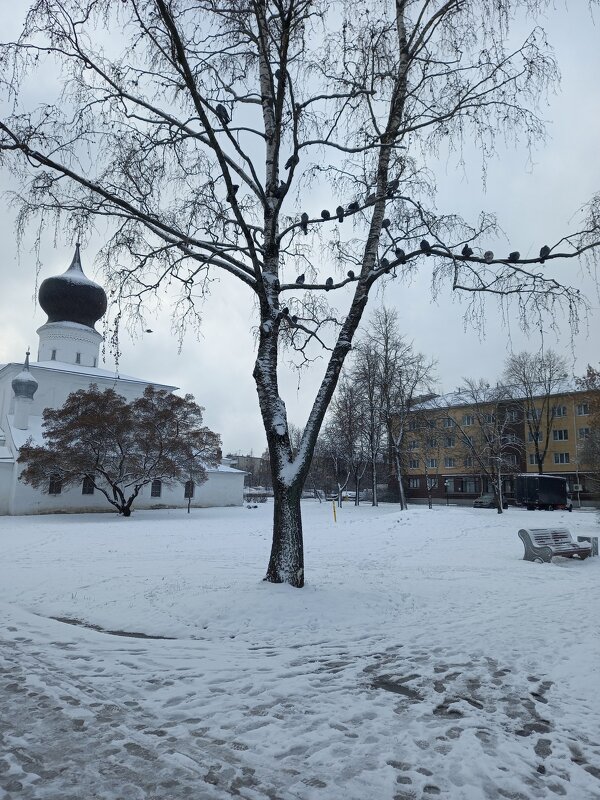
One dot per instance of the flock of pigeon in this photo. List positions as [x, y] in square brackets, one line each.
[340, 213]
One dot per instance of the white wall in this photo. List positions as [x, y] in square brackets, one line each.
[6, 475]
[221, 489]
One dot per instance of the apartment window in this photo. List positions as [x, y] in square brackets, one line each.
[560, 436]
[450, 441]
[449, 422]
[469, 485]
[156, 488]
[469, 461]
[432, 483]
[431, 423]
[413, 463]
[533, 459]
[468, 419]
[53, 355]
[432, 443]
[534, 413]
[188, 490]
[559, 411]
[413, 444]
[432, 463]
[510, 438]
[510, 459]
[583, 409]
[561, 458]
[489, 418]
[78, 358]
[55, 484]
[449, 462]
[414, 483]
[583, 433]
[535, 436]
[87, 487]
[412, 425]
[512, 416]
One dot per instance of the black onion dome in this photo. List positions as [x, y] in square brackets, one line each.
[72, 297]
[24, 384]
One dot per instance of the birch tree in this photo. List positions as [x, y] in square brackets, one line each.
[534, 378]
[201, 131]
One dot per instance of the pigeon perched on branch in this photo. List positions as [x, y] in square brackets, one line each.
[466, 251]
[340, 213]
[425, 247]
[300, 279]
[222, 114]
[304, 222]
[514, 256]
[544, 253]
[328, 284]
[325, 214]
[488, 256]
[291, 162]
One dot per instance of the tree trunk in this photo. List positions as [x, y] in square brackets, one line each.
[403, 503]
[374, 481]
[286, 563]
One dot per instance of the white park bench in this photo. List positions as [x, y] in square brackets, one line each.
[541, 544]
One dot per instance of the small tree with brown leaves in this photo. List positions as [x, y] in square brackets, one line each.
[119, 446]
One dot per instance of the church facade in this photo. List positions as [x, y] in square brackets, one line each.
[67, 360]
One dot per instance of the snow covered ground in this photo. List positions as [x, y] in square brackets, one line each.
[423, 659]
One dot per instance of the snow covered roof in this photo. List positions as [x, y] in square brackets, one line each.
[464, 397]
[92, 372]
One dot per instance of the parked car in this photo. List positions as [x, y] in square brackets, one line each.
[487, 500]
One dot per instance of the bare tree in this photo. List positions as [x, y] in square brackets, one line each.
[490, 441]
[344, 436]
[533, 379]
[402, 375]
[365, 377]
[590, 451]
[197, 128]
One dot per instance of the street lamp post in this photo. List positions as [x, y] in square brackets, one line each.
[446, 485]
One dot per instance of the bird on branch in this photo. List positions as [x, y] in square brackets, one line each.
[400, 254]
[384, 263]
[325, 214]
[488, 256]
[353, 207]
[385, 223]
[304, 222]
[351, 274]
[300, 279]
[544, 253]
[328, 284]
[222, 114]
[466, 251]
[280, 191]
[514, 256]
[425, 247]
[340, 213]
[291, 162]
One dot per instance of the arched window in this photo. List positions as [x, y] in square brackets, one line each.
[156, 488]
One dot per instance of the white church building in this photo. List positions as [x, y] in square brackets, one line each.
[67, 360]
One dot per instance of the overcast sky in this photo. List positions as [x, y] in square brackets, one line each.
[535, 204]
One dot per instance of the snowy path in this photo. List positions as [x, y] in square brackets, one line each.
[402, 672]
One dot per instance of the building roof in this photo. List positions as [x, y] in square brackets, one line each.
[91, 372]
[463, 397]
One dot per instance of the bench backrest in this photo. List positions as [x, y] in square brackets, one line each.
[549, 536]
